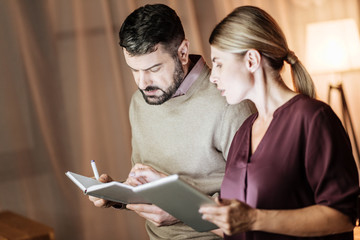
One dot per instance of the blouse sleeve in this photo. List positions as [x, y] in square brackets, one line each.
[330, 165]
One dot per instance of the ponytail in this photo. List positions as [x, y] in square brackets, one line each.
[301, 78]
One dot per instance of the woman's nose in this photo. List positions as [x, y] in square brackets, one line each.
[213, 78]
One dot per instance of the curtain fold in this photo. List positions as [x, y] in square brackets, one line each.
[65, 90]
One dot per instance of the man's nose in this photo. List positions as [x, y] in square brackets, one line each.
[144, 80]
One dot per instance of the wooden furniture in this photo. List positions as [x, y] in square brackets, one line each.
[16, 227]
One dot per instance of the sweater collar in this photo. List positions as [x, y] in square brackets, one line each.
[191, 76]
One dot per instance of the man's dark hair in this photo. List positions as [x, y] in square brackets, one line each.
[150, 25]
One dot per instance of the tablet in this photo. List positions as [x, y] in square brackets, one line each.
[178, 198]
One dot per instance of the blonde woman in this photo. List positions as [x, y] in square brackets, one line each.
[290, 172]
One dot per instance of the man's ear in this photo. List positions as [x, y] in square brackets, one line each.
[183, 52]
[252, 59]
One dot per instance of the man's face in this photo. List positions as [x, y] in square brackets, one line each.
[156, 74]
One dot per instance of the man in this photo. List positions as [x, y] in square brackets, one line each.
[184, 126]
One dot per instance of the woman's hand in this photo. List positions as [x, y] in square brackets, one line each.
[231, 216]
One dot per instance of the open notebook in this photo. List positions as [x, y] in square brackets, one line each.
[172, 194]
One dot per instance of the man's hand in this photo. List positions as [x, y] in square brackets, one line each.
[141, 174]
[153, 213]
[99, 202]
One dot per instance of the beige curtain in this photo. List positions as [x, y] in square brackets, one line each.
[65, 91]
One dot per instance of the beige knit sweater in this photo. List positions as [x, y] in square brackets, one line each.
[189, 135]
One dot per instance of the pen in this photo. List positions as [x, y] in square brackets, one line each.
[96, 173]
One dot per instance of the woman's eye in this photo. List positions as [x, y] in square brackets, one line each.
[218, 65]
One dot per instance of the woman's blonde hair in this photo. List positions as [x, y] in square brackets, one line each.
[250, 27]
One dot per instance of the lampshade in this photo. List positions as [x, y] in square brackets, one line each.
[332, 46]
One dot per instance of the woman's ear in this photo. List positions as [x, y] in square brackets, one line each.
[252, 59]
[183, 52]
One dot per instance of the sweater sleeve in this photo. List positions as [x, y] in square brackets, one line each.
[134, 159]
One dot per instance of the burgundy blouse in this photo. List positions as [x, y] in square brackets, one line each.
[304, 158]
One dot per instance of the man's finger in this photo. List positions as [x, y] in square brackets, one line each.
[100, 202]
[143, 208]
[105, 178]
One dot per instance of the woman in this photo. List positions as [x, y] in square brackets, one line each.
[290, 172]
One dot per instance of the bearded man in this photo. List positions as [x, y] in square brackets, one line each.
[180, 123]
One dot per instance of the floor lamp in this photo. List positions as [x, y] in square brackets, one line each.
[345, 115]
[333, 47]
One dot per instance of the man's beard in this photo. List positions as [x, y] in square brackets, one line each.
[168, 93]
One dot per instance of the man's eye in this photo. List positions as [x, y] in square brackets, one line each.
[155, 69]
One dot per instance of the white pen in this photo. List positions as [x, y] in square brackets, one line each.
[96, 173]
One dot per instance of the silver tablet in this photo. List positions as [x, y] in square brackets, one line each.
[179, 199]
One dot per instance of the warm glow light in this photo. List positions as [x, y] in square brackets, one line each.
[332, 46]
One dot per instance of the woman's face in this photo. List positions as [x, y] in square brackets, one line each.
[231, 75]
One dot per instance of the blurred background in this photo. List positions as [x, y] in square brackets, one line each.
[65, 91]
